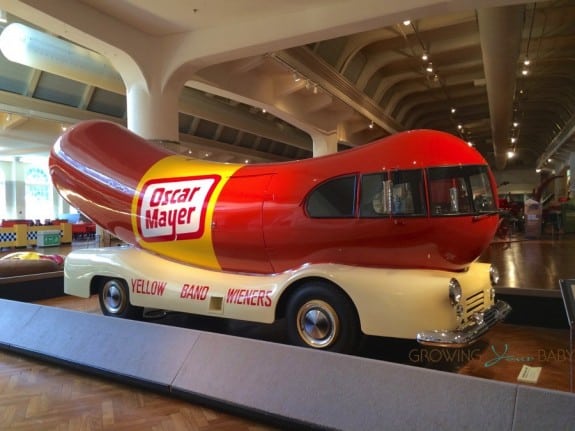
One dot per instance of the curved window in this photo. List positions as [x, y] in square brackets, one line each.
[460, 190]
[334, 198]
[38, 196]
[399, 193]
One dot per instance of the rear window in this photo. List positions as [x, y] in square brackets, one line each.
[333, 199]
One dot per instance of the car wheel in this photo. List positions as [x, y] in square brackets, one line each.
[115, 300]
[322, 317]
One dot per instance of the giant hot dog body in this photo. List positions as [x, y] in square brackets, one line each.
[263, 218]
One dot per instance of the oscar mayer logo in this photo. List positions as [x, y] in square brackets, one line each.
[174, 209]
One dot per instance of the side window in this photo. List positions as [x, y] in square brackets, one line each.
[333, 199]
[408, 195]
[401, 193]
[374, 197]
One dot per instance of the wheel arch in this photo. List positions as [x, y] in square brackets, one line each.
[97, 281]
[281, 307]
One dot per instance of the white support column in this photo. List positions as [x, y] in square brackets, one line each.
[59, 205]
[153, 114]
[16, 190]
[324, 144]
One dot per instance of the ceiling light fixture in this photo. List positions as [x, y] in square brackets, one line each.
[406, 22]
[371, 125]
[3, 17]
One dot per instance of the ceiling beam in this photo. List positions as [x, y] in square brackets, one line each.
[36, 108]
[304, 61]
[197, 104]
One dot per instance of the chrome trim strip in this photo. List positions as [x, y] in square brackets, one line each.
[470, 334]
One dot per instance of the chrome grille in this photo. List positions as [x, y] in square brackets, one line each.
[474, 304]
[490, 316]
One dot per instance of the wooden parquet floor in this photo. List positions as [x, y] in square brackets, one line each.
[36, 396]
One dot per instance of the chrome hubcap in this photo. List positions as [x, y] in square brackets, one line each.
[113, 297]
[317, 324]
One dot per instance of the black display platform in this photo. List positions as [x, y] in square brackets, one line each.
[295, 387]
[534, 307]
[33, 287]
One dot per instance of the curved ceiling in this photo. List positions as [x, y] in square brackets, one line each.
[474, 83]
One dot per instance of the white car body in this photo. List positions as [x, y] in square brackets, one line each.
[401, 303]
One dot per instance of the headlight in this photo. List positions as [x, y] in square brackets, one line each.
[494, 275]
[454, 292]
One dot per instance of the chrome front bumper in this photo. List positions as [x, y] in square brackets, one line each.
[463, 337]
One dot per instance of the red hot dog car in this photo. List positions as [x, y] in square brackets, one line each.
[381, 239]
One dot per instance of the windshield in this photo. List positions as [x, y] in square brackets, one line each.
[460, 190]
